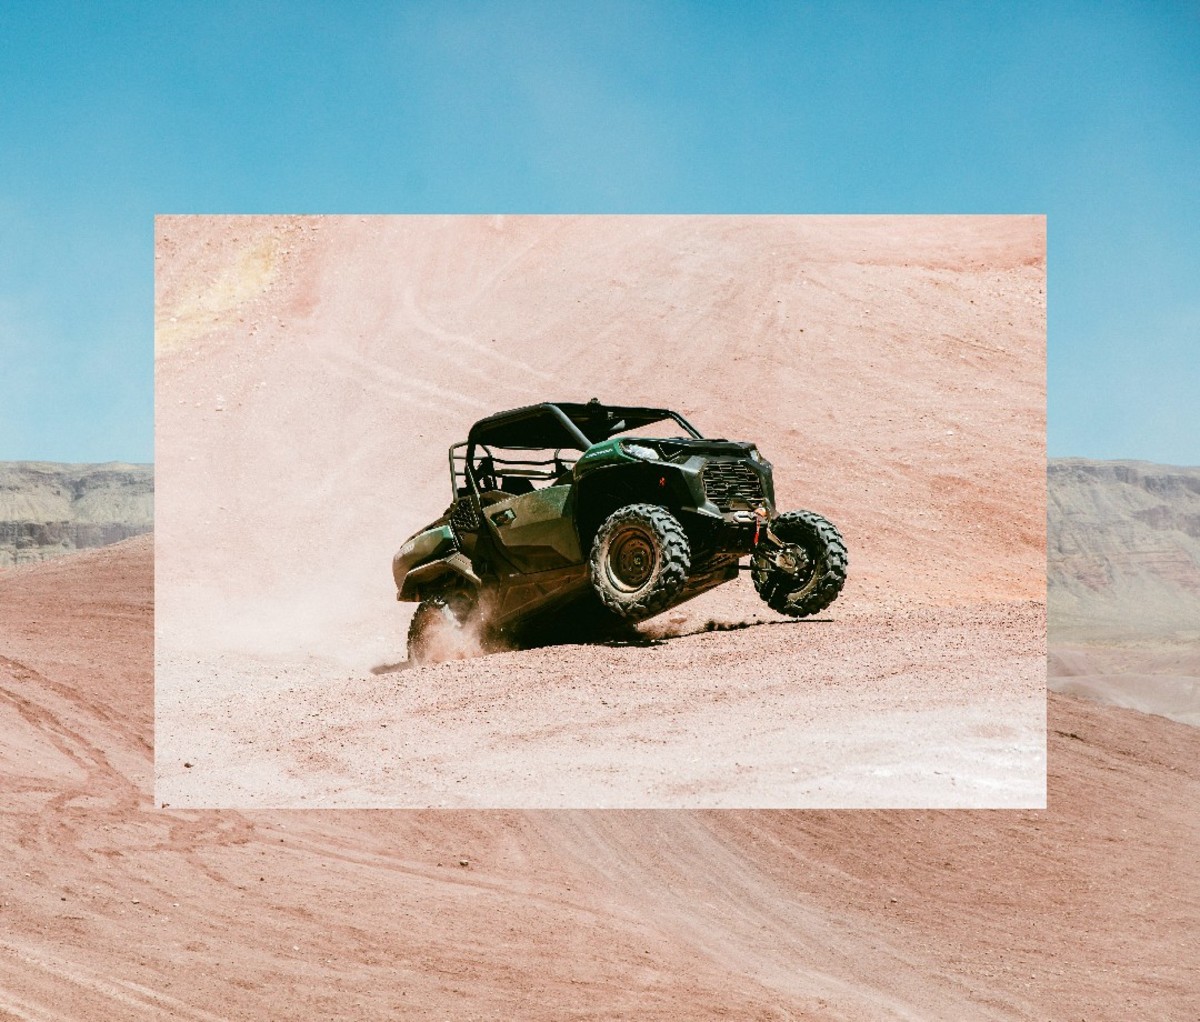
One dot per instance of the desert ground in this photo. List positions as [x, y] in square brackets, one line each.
[114, 908]
[312, 372]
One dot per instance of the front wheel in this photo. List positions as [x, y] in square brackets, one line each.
[640, 561]
[803, 573]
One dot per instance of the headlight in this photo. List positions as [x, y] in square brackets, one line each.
[640, 451]
[755, 456]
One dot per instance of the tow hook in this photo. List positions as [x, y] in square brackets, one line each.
[760, 522]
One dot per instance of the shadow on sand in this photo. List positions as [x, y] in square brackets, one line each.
[621, 638]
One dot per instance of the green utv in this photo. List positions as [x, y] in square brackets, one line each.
[607, 514]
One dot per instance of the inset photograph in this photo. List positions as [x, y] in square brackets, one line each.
[600, 511]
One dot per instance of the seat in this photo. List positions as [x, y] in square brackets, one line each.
[562, 472]
[485, 474]
[516, 485]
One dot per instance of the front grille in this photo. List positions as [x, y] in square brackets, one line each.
[732, 485]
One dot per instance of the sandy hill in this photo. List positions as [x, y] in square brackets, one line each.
[312, 372]
[49, 509]
[116, 909]
[1123, 580]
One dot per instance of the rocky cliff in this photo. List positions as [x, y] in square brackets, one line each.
[1123, 549]
[49, 509]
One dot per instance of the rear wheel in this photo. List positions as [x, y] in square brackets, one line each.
[804, 573]
[444, 628]
[640, 561]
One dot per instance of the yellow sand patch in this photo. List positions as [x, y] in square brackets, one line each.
[210, 304]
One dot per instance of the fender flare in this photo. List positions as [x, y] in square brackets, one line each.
[456, 563]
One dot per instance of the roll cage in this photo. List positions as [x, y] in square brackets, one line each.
[513, 452]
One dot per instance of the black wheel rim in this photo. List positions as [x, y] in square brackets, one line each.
[631, 560]
[791, 560]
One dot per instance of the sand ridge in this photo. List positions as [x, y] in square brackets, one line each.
[115, 908]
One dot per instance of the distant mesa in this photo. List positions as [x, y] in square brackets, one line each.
[1123, 548]
[1123, 581]
[49, 509]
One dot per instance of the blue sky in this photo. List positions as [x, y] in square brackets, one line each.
[110, 113]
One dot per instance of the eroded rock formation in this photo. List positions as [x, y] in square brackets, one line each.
[1123, 546]
[49, 509]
